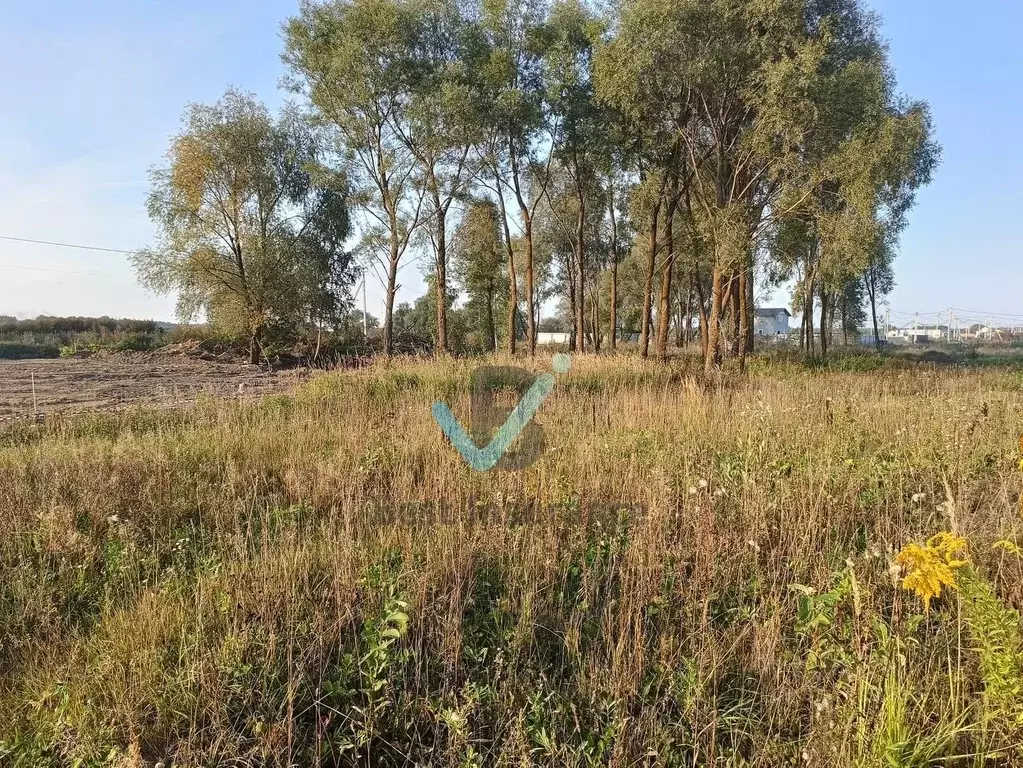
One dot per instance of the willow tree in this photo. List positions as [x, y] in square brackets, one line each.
[907, 165]
[249, 235]
[638, 73]
[478, 260]
[567, 218]
[353, 60]
[871, 151]
[440, 123]
[618, 185]
[569, 36]
[751, 75]
[517, 150]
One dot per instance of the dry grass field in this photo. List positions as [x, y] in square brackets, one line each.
[688, 576]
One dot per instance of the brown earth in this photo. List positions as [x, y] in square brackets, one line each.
[32, 387]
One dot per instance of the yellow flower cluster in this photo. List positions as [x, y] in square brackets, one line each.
[931, 566]
[1008, 546]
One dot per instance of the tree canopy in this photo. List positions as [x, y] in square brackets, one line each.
[644, 163]
[251, 234]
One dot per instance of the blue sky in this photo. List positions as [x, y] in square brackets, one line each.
[92, 92]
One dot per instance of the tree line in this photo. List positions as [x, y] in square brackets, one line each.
[57, 326]
[645, 164]
[49, 337]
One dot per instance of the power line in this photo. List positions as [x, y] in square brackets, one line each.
[989, 314]
[63, 245]
[957, 317]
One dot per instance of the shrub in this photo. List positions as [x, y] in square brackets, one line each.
[10, 350]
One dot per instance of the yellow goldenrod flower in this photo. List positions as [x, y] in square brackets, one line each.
[932, 566]
[1008, 546]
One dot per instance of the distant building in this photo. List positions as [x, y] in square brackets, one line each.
[918, 335]
[987, 333]
[545, 338]
[771, 323]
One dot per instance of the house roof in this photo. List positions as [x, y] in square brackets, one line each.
[771, 311]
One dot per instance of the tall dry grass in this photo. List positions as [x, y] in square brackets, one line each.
[688, 576]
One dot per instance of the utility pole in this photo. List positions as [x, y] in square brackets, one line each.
[950, 318]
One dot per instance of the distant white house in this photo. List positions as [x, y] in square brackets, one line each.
[544, 338]
[987, 332]
[918, 335]
[772, 322]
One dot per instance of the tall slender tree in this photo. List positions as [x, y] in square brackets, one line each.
[352, 60]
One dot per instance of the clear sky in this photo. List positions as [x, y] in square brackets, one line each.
[92, 92]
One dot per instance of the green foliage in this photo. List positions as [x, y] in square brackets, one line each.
[49, 337]
[13, 350]
[478, 266]
[996, 639]
[252, 232]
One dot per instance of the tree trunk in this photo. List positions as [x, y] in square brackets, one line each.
[667, 272]
[530, 292]
[254, 347]
[491, 323]
[392, 290]
[743, 312]
[845, 320]
[648, 283]
[873, 308]
[536, 319]
[573, 331]
[734, 312]
[442, 274]
[832, 306]
[808, 294]
[712, 358]
[580, 258]
[685, 299]
[512, 287]
[513, 300]
[750, 309]
[527, 233]
[704, 322]
[613, 324]
[824, 322]
[688, 318]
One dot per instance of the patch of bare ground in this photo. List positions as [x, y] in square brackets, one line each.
[32, 387]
